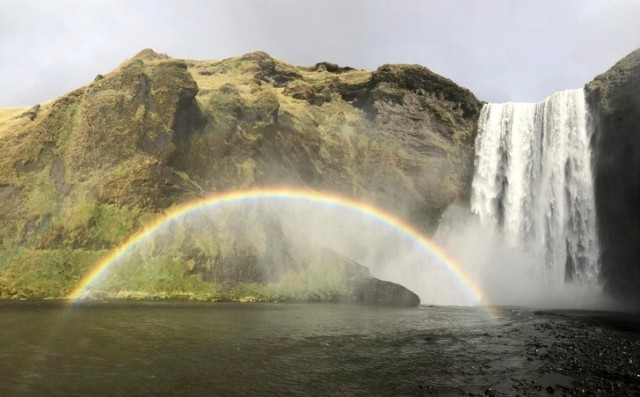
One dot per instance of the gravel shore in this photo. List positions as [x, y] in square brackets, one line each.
[576, 353]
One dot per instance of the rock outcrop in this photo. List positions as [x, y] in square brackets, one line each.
[384, 293]
[614, 98]
[80, 173]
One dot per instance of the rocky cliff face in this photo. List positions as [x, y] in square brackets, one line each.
[80, 173]
[400, 137]
[614, 98]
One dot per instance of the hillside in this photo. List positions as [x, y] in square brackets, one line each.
[82, 172]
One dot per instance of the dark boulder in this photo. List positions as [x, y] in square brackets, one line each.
[372, 291]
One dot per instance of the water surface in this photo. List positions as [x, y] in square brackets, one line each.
[191, 348]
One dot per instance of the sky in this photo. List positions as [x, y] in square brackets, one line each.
[502, 50]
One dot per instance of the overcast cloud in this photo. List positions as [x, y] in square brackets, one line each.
[503, 50]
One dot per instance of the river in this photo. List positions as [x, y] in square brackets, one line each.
[199, 348]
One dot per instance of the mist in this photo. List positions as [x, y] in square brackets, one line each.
[510, 273]
[285, 241]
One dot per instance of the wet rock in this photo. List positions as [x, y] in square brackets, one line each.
[384, 293]
[614, 100]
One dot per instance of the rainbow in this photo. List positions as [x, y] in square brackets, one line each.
[310, 196]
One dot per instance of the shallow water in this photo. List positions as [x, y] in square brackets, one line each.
[191, 348]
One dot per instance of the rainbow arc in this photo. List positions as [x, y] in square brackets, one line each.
[294, 195]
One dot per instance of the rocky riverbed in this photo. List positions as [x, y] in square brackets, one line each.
[575, 353]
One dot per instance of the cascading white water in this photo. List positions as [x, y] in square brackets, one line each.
[533, 179]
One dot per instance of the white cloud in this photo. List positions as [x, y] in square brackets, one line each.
[502, 50]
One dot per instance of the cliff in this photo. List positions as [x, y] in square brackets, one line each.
[82, 172]
[614, 98]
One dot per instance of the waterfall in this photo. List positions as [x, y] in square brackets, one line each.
[533, 180]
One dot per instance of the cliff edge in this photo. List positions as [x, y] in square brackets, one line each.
[614, 99]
